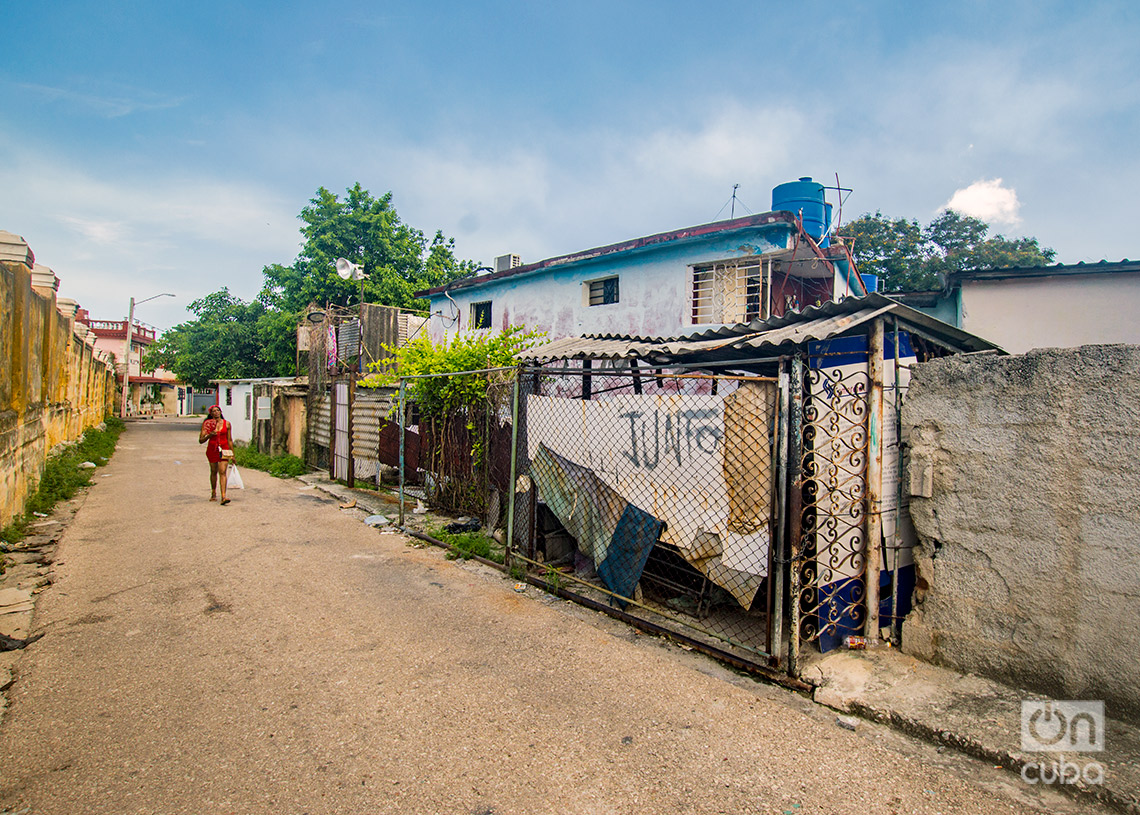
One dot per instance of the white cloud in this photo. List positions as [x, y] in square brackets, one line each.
[987, 200]
[569, 191]
[109, 100]
[110, 237]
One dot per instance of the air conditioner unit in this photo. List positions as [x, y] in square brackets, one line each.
[505, 262]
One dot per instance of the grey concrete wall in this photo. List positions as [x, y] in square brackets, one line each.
[1026, 499]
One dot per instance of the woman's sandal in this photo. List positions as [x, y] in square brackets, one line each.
[213, 498]
[225, 501]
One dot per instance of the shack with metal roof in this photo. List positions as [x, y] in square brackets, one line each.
[739, 482]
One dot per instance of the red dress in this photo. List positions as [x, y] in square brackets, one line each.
[217, 443]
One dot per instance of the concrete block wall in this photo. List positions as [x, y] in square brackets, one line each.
[53, 386]
[1026, 500]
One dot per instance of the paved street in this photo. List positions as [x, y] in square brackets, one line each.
[278, 656]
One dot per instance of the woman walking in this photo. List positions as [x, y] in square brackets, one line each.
[216, 434]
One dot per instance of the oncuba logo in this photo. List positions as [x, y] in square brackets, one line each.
[1055, 726]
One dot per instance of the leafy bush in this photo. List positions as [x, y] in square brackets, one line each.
[465, 352]
[283, 466]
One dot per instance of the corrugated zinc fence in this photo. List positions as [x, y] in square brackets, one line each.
[732, 511]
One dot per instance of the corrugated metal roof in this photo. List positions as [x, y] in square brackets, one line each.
[1125, 266]
[774, 336]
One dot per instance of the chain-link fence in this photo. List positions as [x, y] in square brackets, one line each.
[731, 510]
[654, 492]
[457, 441]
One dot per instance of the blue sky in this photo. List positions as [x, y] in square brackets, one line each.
[150, 147]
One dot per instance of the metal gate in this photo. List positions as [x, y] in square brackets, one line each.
[830, 453]
[655, 492]
[341, 432]
[846, 491]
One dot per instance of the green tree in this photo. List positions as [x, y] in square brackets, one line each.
[223, 342]
[910, 257]
[396, 258]
[231, 339]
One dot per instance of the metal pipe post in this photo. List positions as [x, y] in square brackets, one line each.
[896, 628]
[779, 556]
[873, 538]
[510, 538]
[400, 417]
[795, 507]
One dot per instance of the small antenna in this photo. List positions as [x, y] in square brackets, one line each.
[733, 201]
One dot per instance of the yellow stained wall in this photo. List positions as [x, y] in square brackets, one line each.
[52, 387]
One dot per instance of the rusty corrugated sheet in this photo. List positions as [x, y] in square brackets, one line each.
[320, 426]
[763, 336]
[369, 412]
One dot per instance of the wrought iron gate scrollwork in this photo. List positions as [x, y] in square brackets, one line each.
[830, 555]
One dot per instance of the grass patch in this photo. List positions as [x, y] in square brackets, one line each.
[468, 544]
[62, 476]
[283, 466]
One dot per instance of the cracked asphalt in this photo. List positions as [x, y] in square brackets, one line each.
[278, 656]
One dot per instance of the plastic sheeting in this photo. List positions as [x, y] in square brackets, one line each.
[617, 535]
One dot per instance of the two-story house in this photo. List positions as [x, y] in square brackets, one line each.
[669, 284]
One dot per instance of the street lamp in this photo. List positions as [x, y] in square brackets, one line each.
[127, 350]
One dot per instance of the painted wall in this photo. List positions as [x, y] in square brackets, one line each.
[1053, 312]
[53, 385]
[654, 290]
[1024, 495]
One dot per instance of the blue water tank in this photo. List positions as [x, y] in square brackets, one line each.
[871, 281]
[805, 196]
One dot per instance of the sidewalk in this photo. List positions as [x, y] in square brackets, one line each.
[970, 714]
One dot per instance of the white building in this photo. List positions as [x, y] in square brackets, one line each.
[239, 405]
[1061, 306]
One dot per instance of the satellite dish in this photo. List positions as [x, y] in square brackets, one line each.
[348, 271]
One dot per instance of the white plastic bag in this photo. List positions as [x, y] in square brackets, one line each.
[233, 478]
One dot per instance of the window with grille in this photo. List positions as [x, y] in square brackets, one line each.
[730, 292]
[229, 396]
[481, 314]
[602, 292]
[248, 399]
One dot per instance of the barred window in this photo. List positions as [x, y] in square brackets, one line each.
[481, 314]
[603, 292]
[730, 292]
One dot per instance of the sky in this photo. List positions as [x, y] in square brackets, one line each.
[170, 147]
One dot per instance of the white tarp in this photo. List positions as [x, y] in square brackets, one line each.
[667, 456]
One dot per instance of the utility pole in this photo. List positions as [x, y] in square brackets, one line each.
[127, 360]
[127, 352]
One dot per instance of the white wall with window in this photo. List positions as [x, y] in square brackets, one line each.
[234, 398]
[645, 287]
